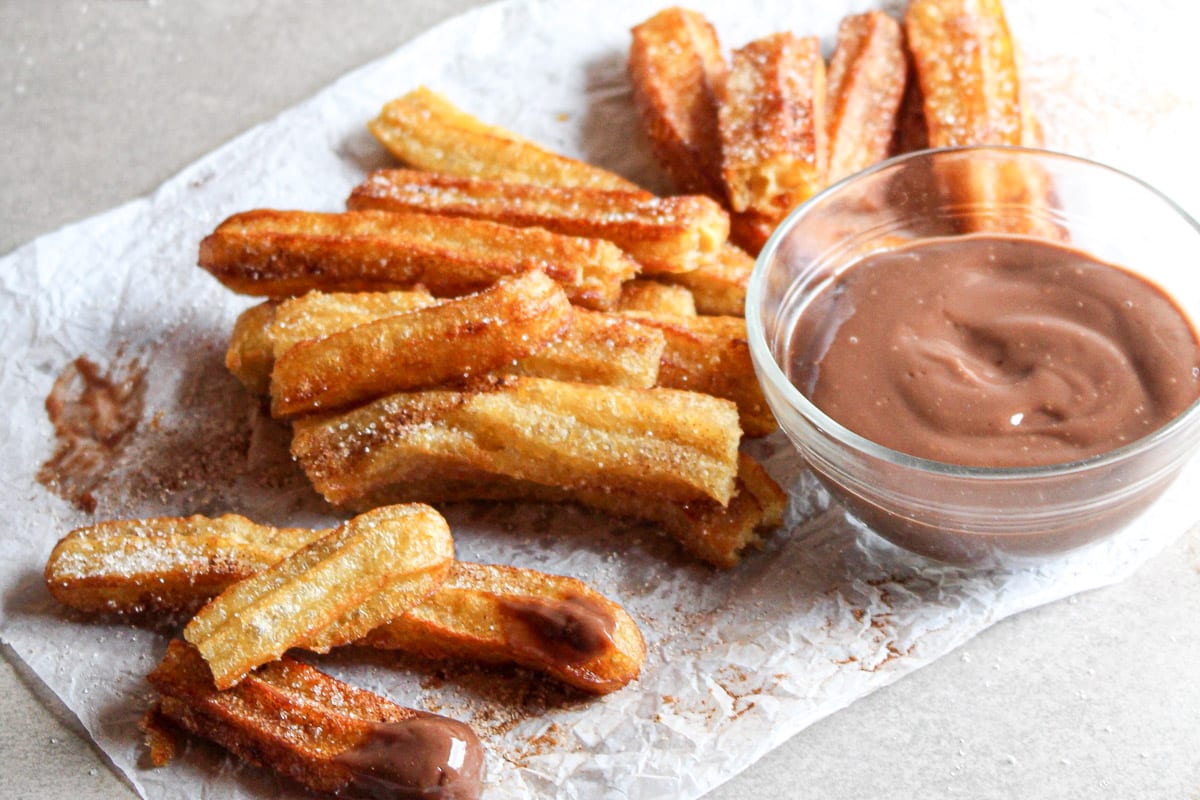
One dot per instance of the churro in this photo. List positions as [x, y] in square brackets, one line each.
[312, 728]
[426, 131]
[660, 443]
[600, 348]
[772, 121]
[663, 234]
[316, 315]
[712, 355]
[716, 533]
[251, 353]
[967, 65]
[595, 347]
[866, 82]
[656, 297]
[283, 253]
[163, 564]
[452, 341]
[490, 613]
[366, 572]
[678, 73]
[496, 614]
[719, 286]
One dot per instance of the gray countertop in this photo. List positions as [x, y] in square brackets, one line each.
[102, 101]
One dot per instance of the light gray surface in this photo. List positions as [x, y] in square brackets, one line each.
[102, 101]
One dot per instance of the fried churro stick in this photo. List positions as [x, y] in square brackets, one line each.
[163, 738]
[866, 81]
[719, 286]
[912, 133]
[164, 564]
[656, 297]
[251, 352]
[319, 314]
[967, 65]
[659, 443]
[281, 253]
[773, 133]
[426, 131]
[663, 234]
[595, 347]
[452, 340]
[328, 735]
[598, 348]
[964, 58]
[718, 535]
[678, 73]
[496, 614]
[750, 229]
[489, 613]
[264, 332]
[712, 355]
[715, 533]
[366, 572]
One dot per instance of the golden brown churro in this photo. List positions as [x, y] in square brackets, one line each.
[366, 572]
[451, 341]
[282, 253]
[426, 131]
[773, 133]
[677, 73]
[714, 532]
[489, 613]
[866, 82]
[657, 297]
[967, 65]
[663, 234]
[964, 58]
[316, 315]
[164, 564]
[661, 443]
[601, 348]
[595, 347]
[557, 625]
[712, 355]
[312, 728]
[719, 286]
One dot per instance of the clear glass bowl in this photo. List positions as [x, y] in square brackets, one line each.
[954, 513]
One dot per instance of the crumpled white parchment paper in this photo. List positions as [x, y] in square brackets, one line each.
[738, 661]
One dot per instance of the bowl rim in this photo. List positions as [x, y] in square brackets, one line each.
[770, 371]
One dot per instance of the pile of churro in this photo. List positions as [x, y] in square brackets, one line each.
[499, 322]
[385, 579]
[490, 320]
[769, 129]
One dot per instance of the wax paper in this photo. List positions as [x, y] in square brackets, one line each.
[737, 661]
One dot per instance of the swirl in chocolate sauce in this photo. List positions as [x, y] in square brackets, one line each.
[424, 756]
[995, 351]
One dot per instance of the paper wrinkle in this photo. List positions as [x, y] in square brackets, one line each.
[737, 661]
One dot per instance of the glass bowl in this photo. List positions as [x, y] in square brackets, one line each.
[966, 514]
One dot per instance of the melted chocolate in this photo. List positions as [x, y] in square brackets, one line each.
[998, 351]
[94, 414]
[425, 756]
[571, 629]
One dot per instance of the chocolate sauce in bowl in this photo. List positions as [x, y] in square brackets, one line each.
[995, 351]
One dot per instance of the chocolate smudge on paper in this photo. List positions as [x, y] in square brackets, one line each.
[94, 413]
[206, 446]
